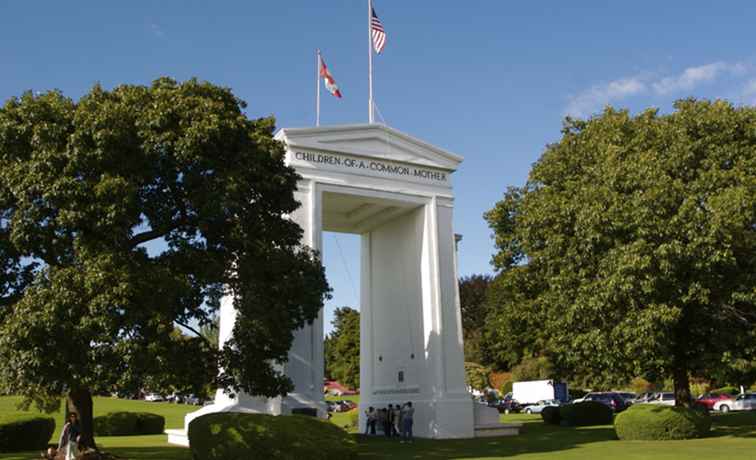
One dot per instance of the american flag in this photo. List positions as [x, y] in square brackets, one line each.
[379, 35]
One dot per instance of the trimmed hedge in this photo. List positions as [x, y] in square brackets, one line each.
[25, 432]
[241, 436]
[148, 423]
[653, 422]
[550, 415]
[128, 424]
[586, 413]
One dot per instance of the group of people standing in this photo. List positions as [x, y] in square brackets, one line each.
[393, 421]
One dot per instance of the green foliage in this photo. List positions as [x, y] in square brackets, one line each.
[473, 307]
[476, 376]
[651, 422]
[641, 385]
[128, 424]
[510, 334]
[236, 436]
[586, 413]
[551, 415]
[148, 423]
[87, 186]
[539, 368]
[507, 387]
[115, 424]
[737, 371]
[25, 432]
[727, 390]
[342, 348]
[631, 250]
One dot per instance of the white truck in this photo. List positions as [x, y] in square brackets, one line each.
[538, 390]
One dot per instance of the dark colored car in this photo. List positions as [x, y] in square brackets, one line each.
[611, 399]
[508, 406]
[708, 400]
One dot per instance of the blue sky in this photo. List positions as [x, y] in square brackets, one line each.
[489, 80]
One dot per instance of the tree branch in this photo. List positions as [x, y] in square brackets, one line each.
[199, 334]
[154, 234]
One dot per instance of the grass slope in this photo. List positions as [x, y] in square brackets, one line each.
[733, 438]
[130, 447]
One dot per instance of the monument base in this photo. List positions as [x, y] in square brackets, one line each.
[487, 423]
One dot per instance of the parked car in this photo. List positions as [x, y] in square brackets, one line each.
[746, 401]
[628, 397]
[508, 406]
[330, 406]
[610, 398]
[665, 399]
[153, 397]
[540, 405]
[708, 400]
[343, 405]
[643, 398]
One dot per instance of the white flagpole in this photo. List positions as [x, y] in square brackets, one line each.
[370, 60]
[317, 87]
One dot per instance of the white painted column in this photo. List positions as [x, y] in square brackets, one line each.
[453, 407]
[305, 364]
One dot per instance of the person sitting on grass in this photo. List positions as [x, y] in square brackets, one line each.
[69, 438]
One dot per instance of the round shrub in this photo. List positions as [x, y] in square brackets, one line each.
[128, 424]
[115, 424]
[586, 413]
[19, 432]
[239, 436]
[550, 415]
[651, 422]
[148, 423]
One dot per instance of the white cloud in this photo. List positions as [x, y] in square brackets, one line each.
[749, 92]
[595, 98]
[692, 77]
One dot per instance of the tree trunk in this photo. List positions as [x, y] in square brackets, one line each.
[682, 388]
[79, 401]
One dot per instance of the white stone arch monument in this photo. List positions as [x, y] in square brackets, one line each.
[396, 192]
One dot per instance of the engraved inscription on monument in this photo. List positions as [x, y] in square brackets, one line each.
[376, 166]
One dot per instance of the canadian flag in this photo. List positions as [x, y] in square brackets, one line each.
[330, 83]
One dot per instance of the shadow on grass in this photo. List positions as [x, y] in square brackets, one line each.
[150, 453]
[536, 437]
[738, 424]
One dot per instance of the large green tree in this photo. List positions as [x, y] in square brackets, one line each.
[473, 307]
[631, 250]
[130, 212]
[343, 348]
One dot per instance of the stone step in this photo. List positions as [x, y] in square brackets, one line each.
[488, 430]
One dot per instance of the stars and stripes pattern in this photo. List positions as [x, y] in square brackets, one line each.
[379, 35]
[330, 83]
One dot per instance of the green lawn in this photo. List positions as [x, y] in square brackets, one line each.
[733, 438]
[128, 447]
